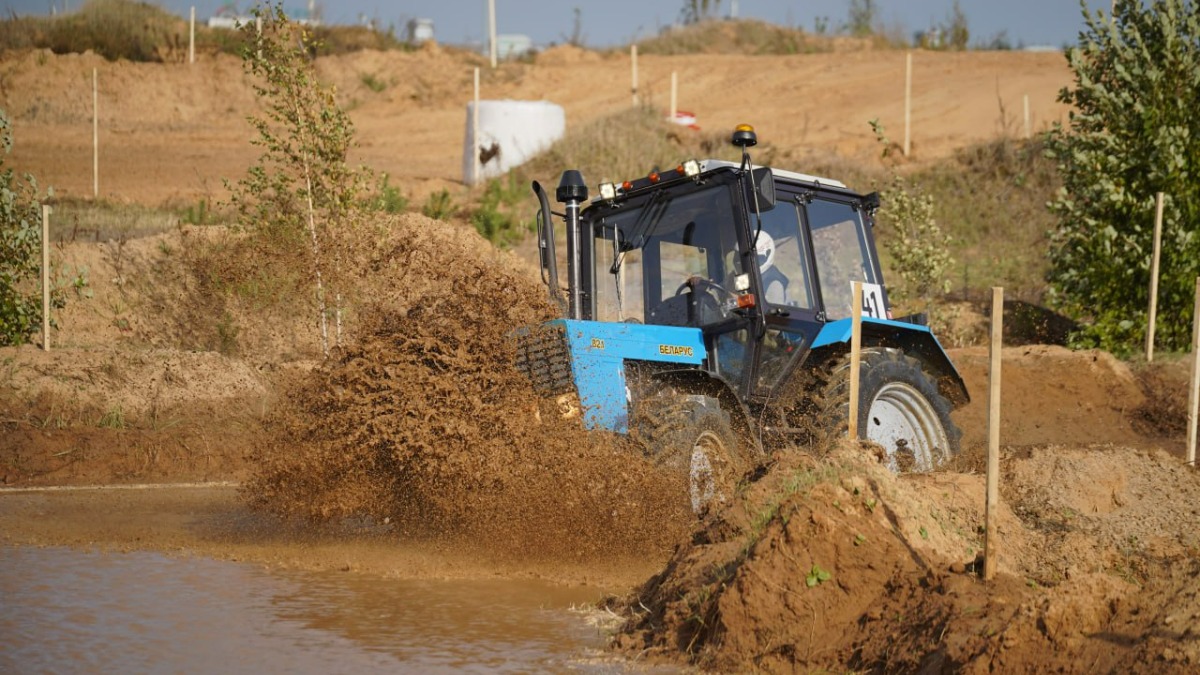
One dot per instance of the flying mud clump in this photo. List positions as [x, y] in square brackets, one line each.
[423, 422]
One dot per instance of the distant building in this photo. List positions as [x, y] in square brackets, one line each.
[227, 16]
[512, 45]
[420, 30]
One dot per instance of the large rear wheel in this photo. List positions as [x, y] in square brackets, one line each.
[900, 409]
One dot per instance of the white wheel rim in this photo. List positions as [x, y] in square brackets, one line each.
[903, 421]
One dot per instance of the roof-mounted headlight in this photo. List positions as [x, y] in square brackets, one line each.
[608, 191]
[691, 168]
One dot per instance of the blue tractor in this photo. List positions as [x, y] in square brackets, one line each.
[708, 314]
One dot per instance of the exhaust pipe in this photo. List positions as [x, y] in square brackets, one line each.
[571, 192]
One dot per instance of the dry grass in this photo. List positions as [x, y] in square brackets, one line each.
[745, 36]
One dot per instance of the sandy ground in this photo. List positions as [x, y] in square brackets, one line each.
[173, 133]
[139, 392]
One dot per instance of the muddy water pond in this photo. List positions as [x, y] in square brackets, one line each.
[69, 610]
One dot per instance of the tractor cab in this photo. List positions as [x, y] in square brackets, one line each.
[757, 260]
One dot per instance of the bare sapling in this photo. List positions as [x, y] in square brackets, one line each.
[300, 195]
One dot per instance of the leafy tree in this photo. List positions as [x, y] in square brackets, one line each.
[861, 21]
[920, 250]
[958, 34]
[695, 11]
[577, 38]
[301, 193]
[20, 251]
[1134, 131]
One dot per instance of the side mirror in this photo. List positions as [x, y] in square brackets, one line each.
[764, 183]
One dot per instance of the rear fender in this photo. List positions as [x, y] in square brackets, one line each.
[915, 340]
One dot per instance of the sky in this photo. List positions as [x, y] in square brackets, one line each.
[614, 22]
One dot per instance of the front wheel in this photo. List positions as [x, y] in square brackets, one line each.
[900, 409]
[701, 447]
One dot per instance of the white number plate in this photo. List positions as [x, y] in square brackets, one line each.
[872, 301]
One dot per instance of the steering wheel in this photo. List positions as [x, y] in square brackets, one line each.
[707, 302]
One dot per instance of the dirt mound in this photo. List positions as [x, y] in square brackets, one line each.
[567, 55]
[839, 564]
[424, 424]
[1051, 395]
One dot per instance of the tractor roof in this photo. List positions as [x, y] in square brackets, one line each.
[710, 164]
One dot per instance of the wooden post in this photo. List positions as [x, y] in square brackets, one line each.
[475, 133]
[1158, 216]
[991, 522]
[674, 96]
[45, 277]
[1194, 395]
[633, 57]
[95, 135]
[258, 34]
[1028, 127]
[492, 30]
[907, 104]
[192, 38]
[855, 357]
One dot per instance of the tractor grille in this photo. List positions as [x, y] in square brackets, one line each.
[542, 355]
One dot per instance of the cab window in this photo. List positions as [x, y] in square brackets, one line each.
[782, 260]
[842, 254]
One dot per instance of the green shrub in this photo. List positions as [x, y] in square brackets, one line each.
[439, 205]
[373, 83]
[1134, 131]
[494, 219]
[117, 29]
[745, 36]
[386, 198]
[20, 251]
[142, 31]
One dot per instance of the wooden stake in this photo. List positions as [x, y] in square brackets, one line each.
[45, 277]
[492, 30]
[475, 133]
[674, 93]
[95, 135]
[991, 522]
[1028, 127]
[907, 104]
[1194, 395]
[1158, 216]
[192, 38]
[855, 357]
[633, 57]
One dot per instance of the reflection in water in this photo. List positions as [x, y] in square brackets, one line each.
[63, 610]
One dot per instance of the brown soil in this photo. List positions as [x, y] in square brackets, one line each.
[417, 450]
[856, 569]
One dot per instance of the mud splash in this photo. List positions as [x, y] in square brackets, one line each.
[425, 425]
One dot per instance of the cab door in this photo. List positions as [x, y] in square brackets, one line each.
[787, 294]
